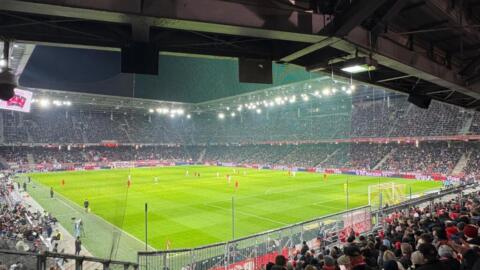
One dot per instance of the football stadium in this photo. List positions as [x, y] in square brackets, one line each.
[240, 134]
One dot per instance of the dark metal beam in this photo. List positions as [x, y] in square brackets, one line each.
[224, 17]
[390, 54]
[394, 78]
[343, 23]
[394, 9]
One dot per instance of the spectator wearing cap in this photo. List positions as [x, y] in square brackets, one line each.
[451, 230]
[447, 257]
[471, 234]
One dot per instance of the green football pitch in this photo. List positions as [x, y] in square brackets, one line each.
[188, 210]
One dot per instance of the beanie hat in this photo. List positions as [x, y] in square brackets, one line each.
[445, 251]
[470, 231]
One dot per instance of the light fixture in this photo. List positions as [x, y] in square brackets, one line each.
[358, 65]
[189, 116]
[3, 63]
[292, 99]
[151, 110]
[221, 115]
[326, 91]
[259, 111]
[232, 114]
[44, 103]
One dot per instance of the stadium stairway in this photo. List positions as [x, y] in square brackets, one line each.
[461, 163]
[30, 159]
[385, 158]
[467, 124]
[3, 164]
[329, 156]
[201, 155]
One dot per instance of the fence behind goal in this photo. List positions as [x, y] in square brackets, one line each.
[254, 251]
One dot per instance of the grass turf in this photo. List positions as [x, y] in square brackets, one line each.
[190, 211]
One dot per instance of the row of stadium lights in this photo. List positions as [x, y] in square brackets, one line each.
[45, 102]
[277, 101]
[171, 112]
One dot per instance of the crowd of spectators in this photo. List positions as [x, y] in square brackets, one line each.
[443, 236]
[434, 157]
[23, 227]
[316, 120]
[426, 157]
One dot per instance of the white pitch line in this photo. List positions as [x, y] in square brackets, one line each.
[97, 216]
[248, 214]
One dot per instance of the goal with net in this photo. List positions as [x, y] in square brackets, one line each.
[386, 193]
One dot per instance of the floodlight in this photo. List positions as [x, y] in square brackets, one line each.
[326, 91]
[358, 65]
[45, 103]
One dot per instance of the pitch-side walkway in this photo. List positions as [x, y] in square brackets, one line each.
[101, 239]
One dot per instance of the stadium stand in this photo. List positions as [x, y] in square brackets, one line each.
[444, 236]
[427, 157]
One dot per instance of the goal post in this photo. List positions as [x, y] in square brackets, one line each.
[386, 193]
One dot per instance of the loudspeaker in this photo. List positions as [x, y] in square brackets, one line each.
[140, 57]
[255, 71]
[420, 101]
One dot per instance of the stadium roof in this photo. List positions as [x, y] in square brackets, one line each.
[182, 78]
[426, 47]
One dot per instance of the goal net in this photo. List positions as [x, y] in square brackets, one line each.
[386, 193]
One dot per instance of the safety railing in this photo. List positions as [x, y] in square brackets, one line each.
[50, 260]
[254, 251]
